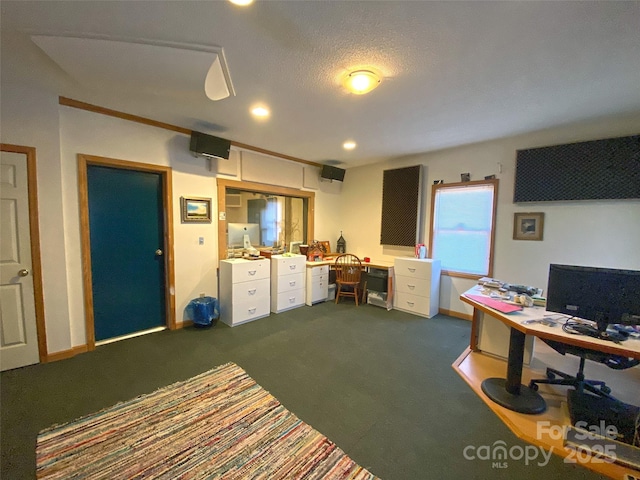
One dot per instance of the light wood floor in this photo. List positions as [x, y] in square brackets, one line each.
[474, 367]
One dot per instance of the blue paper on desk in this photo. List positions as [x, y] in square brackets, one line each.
[496, 304]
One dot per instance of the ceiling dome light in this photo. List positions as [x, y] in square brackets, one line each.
[349, 145]
[361, 81]
[260, 112]
[242, 3]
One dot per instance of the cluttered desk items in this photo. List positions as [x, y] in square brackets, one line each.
[516, 293]
[496, 304]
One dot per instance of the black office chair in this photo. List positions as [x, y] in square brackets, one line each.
[579, 382]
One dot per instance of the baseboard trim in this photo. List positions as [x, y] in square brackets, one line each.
[452, 313]
[186, 323]
[64, 354]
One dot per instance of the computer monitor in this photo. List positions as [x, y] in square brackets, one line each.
[603, 295]
[237, 231]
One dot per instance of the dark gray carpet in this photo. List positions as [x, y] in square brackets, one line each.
[379, 384]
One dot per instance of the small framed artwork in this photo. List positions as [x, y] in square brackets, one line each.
[294, 247]
[325, 247]
[528, 226]
[196, 210]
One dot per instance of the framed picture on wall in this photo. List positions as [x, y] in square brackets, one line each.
[196, 209]
[528, 226]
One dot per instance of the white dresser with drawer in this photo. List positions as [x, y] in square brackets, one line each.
[317, 283]
[287, 282]
[417, 286]
[244, 290]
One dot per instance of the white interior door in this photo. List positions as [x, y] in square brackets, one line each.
[19, 335]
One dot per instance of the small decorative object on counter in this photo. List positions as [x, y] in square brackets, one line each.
[341, 244]
[315, 253]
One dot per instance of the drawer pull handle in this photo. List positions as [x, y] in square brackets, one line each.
[292, 299]
[251, 292]
[252, 272]
[411, 304]
[252, 310]
[292, 267]
[411, 287]
[292, 283]
[411, 269]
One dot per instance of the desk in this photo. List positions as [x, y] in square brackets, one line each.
[316, 291]
[509, 392]
[373, 264]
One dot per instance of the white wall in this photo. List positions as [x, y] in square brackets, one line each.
[330, 211]
[596, 233]
[89, 133]
[29, 117]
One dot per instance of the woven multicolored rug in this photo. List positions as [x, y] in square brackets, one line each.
[220, 424]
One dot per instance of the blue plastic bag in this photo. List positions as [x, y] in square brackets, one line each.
[203, 311]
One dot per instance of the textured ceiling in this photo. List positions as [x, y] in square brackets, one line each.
[454, 72]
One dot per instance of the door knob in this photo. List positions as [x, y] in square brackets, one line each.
[158, 252]
[23, 273]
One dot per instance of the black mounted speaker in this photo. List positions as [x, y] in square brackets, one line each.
[332, 173]
[209, 146]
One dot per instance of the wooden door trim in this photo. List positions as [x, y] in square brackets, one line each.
[83, 199]
[34, 231]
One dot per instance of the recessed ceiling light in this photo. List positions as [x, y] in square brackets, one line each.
[349, 145]
[260, 111]
[242, 3]
[361, 81]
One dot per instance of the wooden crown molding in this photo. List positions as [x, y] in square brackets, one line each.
[69, 102]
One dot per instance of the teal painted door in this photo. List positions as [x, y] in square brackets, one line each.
[126, 227]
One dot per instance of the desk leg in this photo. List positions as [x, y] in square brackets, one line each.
[509, 392]
[475, 327]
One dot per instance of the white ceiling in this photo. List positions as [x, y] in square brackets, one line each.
[454, 72]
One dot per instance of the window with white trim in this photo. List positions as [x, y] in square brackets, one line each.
[462, 227]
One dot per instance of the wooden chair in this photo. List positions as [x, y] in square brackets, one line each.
[348, 274]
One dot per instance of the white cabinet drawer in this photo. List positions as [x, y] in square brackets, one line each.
[413, 267]
[250, 310]
[286, 283]
[287, 300]
[319, 291]
[413, 285]
[321, 278]
[412, 303]
[285, 265]
[319, 270]
[249, 290]
[245, 270]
